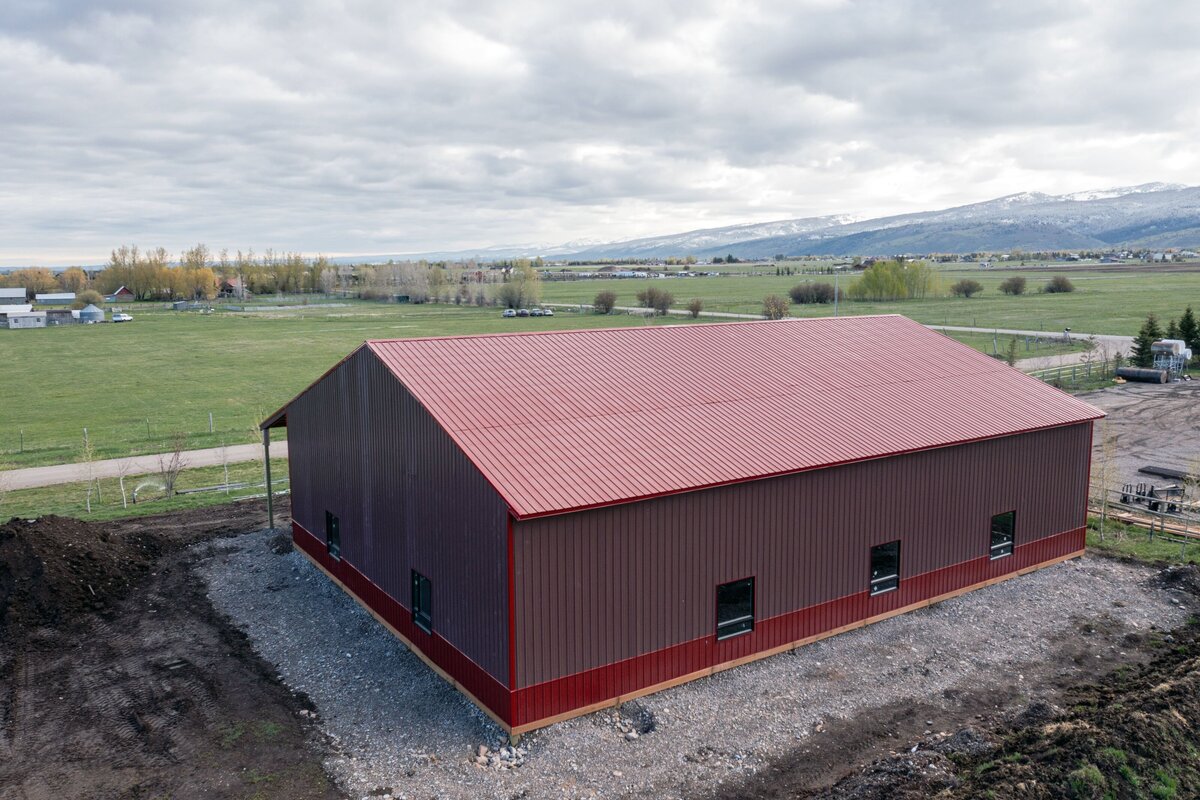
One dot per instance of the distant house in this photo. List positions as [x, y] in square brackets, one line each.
[232, 287]
[54, 298]
[119, 295]
[12, 297]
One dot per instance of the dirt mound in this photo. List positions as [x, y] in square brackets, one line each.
[1133, 735]
[56, 568]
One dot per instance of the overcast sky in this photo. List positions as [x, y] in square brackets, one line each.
[386, 127]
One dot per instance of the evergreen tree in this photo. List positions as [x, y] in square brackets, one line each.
[1172, 331]
[1143, 355]
[1189, 331]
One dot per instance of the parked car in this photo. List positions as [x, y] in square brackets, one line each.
[523, 312]
[508, 312]
[549, 312]
[537, 312]
[122, 317]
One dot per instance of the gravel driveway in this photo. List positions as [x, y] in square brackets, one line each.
[396, 728]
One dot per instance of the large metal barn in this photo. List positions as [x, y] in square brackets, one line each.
[561, 521]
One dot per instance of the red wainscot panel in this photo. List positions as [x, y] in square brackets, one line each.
[561, 698]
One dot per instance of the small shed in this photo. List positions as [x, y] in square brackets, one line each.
[28, 319]
[61, 316]
[119, 295]
[11, 297]
[54, 298]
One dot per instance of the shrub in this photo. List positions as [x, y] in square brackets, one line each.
[1058, 285]
[88, 296]
[966, 288]
[810, 292]
[775, 307]
[894, 280]
[1014, 285]
[657, 299]
[604, 302]
[695, 306]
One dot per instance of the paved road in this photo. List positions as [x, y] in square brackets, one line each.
[31, 477]
[1108, 344]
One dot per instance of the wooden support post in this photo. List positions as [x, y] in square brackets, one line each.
[267, 473]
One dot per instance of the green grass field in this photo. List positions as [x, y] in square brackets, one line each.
[72, 499]
[1103, 302]
[132, 385]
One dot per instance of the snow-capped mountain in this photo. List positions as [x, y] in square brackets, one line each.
[1149, 215]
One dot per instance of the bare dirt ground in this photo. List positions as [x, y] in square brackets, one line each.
[1156, 424]
[119, 680]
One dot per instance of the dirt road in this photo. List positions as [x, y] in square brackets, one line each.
[31, 477]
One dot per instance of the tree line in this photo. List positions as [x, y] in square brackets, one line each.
[198, 274]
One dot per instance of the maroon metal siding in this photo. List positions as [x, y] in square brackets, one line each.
[603, 586]
[407, 498]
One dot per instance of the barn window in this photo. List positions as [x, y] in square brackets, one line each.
[1003, 527]
[333, 535]
[735, 608]
[885, 567]
[421, 591]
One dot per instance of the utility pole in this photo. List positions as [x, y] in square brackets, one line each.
[836, 275]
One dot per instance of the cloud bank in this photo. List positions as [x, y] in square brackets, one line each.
[368, 127]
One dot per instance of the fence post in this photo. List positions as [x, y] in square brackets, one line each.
[210, 422]
[1103, 510]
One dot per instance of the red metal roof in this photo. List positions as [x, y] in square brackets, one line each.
[560, 421]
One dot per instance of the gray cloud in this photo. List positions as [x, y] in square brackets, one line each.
[374, 126]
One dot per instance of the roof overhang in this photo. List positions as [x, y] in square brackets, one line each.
[276, 420]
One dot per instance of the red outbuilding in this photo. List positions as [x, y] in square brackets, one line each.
[561, 521]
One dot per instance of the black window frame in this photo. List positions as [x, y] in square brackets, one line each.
[333, 535]
[884, 583]
[741, 623]
[422, 616]
[1003, 548]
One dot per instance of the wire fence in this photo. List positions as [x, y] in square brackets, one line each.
[21, 447]
[1165, 514]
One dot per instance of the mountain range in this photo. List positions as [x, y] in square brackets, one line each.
[1152, 215]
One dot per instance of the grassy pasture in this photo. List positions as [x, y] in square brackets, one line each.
[133, 385]
[71, 499]
[1103, 301]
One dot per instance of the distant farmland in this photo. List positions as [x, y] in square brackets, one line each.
[133, 385]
